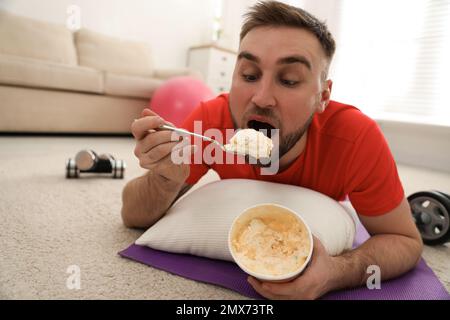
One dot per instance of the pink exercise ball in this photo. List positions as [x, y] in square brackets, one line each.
[175, 99]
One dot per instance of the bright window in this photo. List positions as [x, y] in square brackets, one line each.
[392, 59]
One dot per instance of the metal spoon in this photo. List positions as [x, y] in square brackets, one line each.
[186, 132]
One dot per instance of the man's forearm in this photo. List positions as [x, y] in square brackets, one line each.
[146, 199]
[393, 254]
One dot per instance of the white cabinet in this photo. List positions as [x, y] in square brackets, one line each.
[216, 65]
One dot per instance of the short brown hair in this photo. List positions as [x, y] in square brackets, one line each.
[274, 13]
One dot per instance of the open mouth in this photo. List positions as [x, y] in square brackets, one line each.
[263, 127]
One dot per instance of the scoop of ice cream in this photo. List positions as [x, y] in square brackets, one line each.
[272, 246]
[250, 142]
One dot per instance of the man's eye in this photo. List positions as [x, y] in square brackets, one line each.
[289, 83]
[250, 77]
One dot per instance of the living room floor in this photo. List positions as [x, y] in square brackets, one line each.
[50, 223]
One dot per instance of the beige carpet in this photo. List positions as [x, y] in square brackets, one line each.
[49, 223]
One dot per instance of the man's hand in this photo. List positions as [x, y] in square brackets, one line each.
[154, 148]
[145, 199]
[311, 284]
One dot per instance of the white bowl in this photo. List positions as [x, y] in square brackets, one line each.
[269, 211]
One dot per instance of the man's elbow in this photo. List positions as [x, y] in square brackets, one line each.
[417, 249]
[420, 249]
[127, 222]
[130, 216]
[131, 220]
[125, 211]
[128, 211]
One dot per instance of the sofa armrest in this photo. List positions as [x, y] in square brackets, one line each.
[164, 74]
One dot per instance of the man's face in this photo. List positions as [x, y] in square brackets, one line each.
[278, 83]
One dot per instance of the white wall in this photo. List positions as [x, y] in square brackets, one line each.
[420, 145]
[170, 26]
[233, 11]
[232, 18]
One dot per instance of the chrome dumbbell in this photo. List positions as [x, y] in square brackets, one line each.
[87, 161]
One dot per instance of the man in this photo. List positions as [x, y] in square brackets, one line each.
[280, 81]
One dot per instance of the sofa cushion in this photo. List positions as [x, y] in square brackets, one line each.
[39, 73]
[110, 54]
[130, 86]
[36, 39]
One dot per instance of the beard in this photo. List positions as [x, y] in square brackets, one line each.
[289, 141]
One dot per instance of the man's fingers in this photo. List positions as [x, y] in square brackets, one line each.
[180, 154]
[162, 150]
[140, 127]
[262, 289]
[282, 288]
[156, 138]
[277, 290]
[187, 153]
[148, 112]
[318, 249]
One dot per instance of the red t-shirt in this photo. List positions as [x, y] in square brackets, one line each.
[346, 154]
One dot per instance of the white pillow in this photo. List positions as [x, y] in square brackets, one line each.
[198, 224]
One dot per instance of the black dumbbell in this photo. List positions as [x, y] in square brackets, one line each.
[87, 161]
[431, 213]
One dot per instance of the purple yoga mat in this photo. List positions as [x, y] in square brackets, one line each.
[418, 284]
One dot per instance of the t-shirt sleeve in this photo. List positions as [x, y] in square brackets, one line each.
[197, 170]
[373, 183]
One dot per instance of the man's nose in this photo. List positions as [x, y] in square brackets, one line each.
[264, 96]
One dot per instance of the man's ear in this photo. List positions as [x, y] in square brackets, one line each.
[325, 96]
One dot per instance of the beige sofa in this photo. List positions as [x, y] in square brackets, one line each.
[54, 80]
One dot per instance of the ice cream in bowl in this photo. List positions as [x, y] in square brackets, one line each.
[270, 242]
